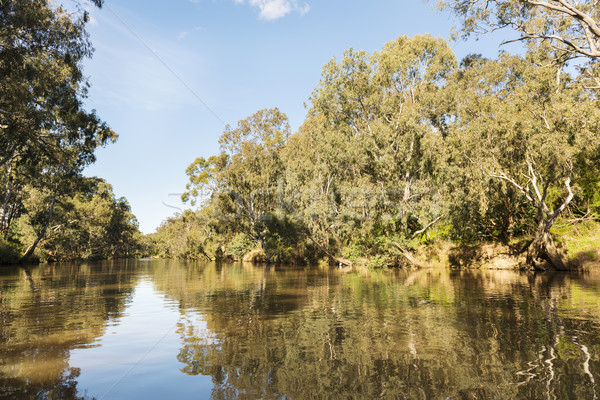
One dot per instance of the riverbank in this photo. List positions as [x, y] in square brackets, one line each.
[581, 255]
[579, 243]
[11, 254]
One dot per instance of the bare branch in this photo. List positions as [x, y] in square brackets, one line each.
[429, 225]
[533, 180]
[565, 203]
[524, 191]
[573, 24]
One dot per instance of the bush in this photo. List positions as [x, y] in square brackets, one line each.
[239, 245]
[9, 252]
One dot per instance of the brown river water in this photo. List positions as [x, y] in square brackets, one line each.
[154, 329]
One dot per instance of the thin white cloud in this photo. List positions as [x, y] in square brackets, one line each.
[184, 34]
[275, 9]
[304, 9]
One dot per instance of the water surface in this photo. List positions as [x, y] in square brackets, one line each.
[168, 329]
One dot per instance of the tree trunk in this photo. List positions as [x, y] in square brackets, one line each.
[543, 247]
[31, 248]
[409, 257]
[7, 195]
[201, 251]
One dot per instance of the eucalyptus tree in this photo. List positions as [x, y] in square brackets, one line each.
[44, 127]
[88, 223]
[243, 180]
[43, 87]
[571, 27]
[375, 127]
[517, 123]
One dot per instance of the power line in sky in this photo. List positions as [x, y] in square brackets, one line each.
[164, 63]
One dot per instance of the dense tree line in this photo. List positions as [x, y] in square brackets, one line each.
[398, 147]
[47, 137]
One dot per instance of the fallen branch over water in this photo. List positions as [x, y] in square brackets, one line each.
[411, 259]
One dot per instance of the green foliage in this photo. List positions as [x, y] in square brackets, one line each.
[379, 261]
[89, 224]
[368, 154]
[9, 252]
[587, 197]
[184, 236]
[239, 246]
[526, 125]
[581, 239]
[41, 117]
[241, 183]
[46, 135]
[204, 178]
[400, 148]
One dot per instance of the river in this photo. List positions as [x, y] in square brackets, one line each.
[156, 329]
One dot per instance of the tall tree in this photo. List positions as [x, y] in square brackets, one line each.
[246, 175]
[373, 132]
[518, 123]
[44, 128]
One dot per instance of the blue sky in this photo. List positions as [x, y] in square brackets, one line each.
[167, 75]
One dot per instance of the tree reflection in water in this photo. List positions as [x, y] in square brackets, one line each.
[47, 312]
[315, 333]
[393, 334]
